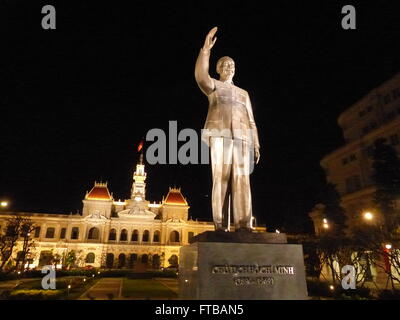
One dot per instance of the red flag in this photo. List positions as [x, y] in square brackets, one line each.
[386, 260]
[140, 146]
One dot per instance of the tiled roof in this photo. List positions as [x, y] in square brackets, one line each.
[175, 197]
[99, 192]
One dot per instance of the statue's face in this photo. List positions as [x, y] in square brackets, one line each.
[226, 70]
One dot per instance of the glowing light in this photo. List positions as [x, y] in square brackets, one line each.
[368, 216]
[186, 280]
[84, 280]
[93, 275]
[332, 287]
[98, 272]
[277, 231]
[326, 226]
[388, 246]
[69, 286]
[325, 221]
[4, 204]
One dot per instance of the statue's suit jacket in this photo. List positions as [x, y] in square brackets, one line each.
[230, 114]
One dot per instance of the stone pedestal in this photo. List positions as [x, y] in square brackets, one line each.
[242, 266]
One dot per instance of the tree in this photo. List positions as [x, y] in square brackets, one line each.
[27, 227]
[333, 211]
[70, 259]
[16, 227]
[386, 177]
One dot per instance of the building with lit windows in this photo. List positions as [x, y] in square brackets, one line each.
[349, 168]
[133, 233]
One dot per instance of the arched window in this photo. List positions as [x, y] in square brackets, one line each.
[94, 233]
[50, 233]
[135, 235]
[75, 233]
[132, 260]
[156, 261]
[112, 235]
[145, 258]
[174, 236]
[156, 236]
[121, 260]
[110, 260]
[146, 236]
[124, 235]
[90, 258]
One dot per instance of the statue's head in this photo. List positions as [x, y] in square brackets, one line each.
[226, 69]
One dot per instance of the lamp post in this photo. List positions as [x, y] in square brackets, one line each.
[4, 204]
[368, 216]
[388, 266]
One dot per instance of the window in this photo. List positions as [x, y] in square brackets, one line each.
[156, 236]
[353, 183]
[50, 233]
[112, 235]
[394, 139]
[174, 236]
[121, 260]
[63, 233]
[135, 235]
[37, 232]
[109, 260]
[124, 235]
[146, 236]
[94, 233]
[75, 233]
[90, 258]
[145, 258]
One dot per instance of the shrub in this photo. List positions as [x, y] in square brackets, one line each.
[318, 288]
[35, 295]
[389, 295]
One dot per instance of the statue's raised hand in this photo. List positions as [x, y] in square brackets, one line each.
[209, 42]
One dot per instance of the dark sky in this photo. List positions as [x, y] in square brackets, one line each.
[76, 101]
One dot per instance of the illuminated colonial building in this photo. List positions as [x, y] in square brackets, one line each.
[131, 233]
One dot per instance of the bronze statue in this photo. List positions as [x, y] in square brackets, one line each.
[231, 133]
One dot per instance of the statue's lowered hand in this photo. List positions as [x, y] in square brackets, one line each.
[256, 155]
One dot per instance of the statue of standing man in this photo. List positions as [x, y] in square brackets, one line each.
[231, 133]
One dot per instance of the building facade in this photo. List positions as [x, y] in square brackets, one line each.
[133, 233]
[349, 168]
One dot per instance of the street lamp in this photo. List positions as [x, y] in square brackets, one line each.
[4, 204]
[325, 224]
[368, 216]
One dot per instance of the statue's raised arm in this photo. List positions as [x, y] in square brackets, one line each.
[201, 74]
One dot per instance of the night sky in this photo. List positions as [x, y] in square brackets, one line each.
[76, 101]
